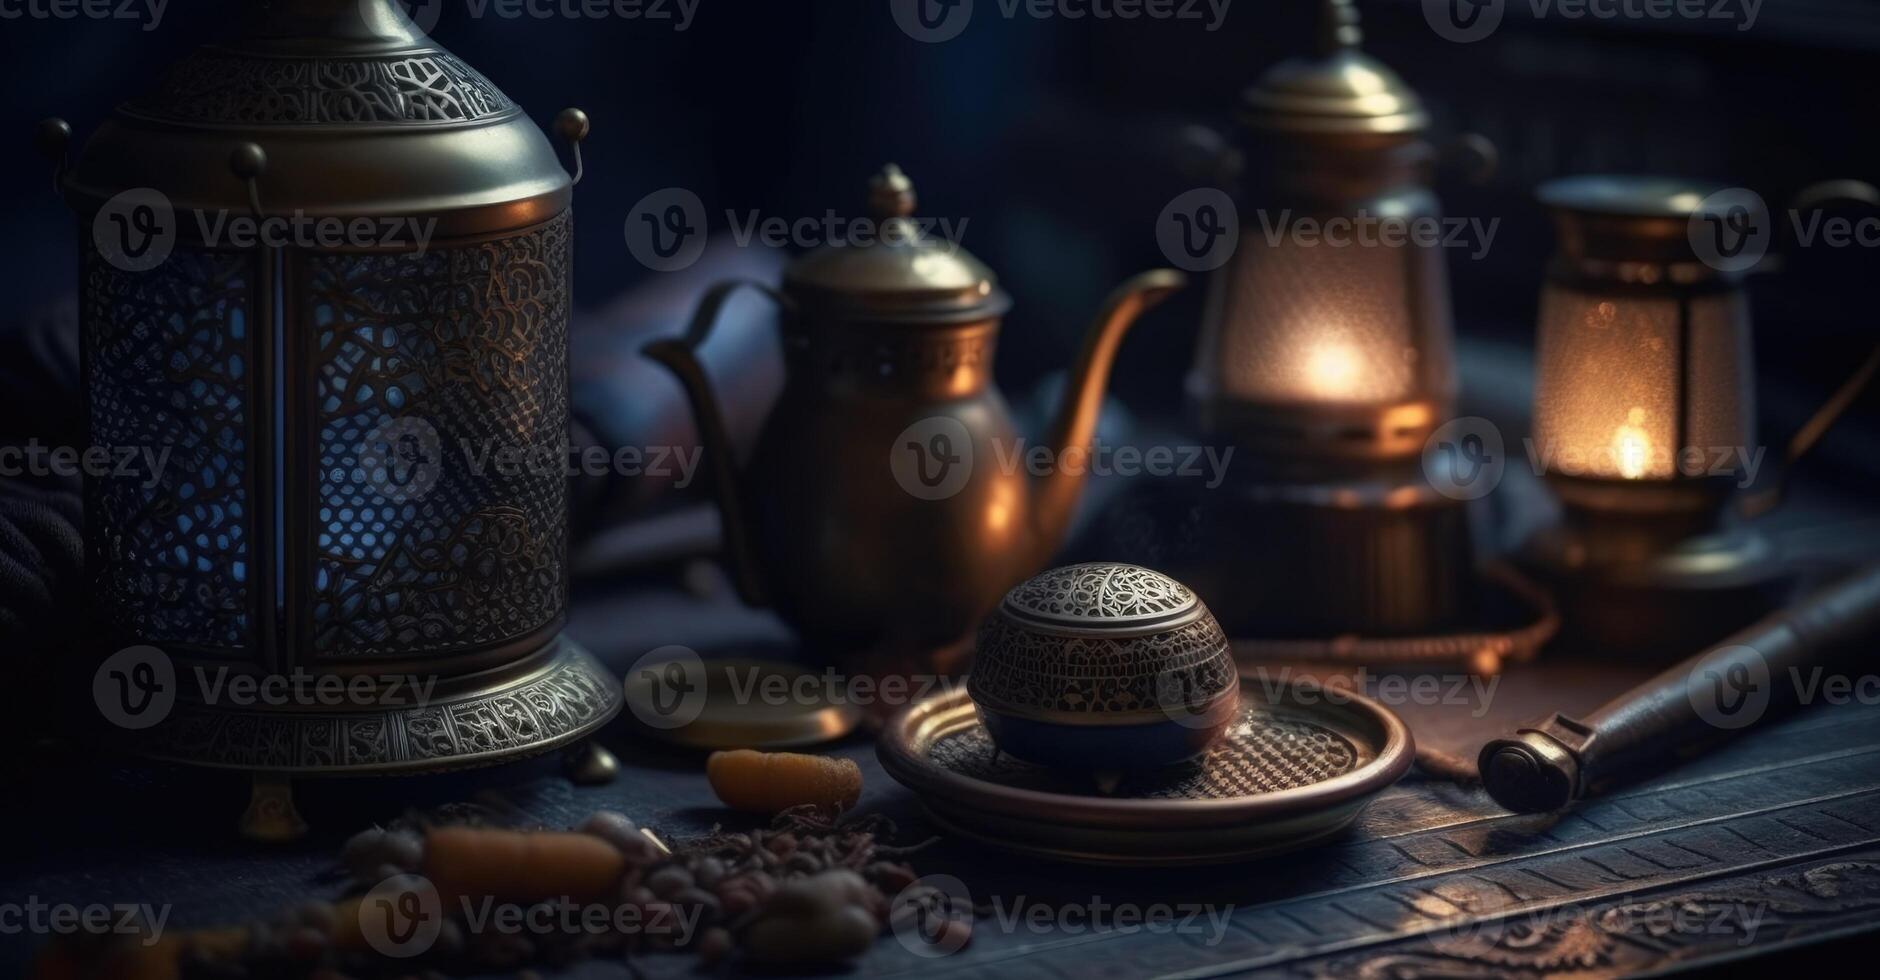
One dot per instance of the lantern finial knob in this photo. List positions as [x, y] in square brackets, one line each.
[1338, 27]
[891, 193]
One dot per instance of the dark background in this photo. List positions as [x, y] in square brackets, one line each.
[1059, 141]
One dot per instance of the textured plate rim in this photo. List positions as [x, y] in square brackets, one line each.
[899, 753]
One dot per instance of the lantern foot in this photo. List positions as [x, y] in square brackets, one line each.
[271, 817]
[590, 764]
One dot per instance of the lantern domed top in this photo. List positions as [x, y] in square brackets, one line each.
[1339, 90]
[330, 107]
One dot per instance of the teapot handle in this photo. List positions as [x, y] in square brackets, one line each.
[1803, 441]
[680, 356]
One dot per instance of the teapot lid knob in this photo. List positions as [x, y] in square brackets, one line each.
[890, 194]
[1338, 27]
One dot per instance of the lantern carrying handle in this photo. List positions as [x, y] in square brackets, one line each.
[1809, 435]
[572, 125]
[54, 137]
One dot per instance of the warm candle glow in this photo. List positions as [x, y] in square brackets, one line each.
[1332, 369]
[1631, 447]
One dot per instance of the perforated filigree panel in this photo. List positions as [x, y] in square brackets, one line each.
[169, 357]
[441, 394]
[1262, 752]
[1185, 667]
[1100, 593]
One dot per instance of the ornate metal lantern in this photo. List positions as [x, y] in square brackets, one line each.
[326, 270]
[1330, 362]
[1644, 410]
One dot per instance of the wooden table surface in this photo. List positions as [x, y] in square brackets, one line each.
[1773, 839]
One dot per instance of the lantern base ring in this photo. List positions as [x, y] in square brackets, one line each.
[1626, 592]
[550, 700]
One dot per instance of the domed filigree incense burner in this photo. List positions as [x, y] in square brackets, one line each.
[1103, 666]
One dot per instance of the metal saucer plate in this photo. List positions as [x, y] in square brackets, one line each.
[1298, 765]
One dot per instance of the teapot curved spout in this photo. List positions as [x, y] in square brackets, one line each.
[680, 356]
[1055, 496]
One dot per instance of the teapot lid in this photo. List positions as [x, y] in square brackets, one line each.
[898, 272]
[1338, 91]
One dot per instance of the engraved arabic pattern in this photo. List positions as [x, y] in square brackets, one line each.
[1184, 667]
[225, 87]
[470, 346]
[1100, 593]
[568, 699]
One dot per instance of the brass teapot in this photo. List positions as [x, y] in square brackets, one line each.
[888, 502]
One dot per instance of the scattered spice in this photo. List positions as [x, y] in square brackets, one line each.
[771, 782]
[813, 889]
